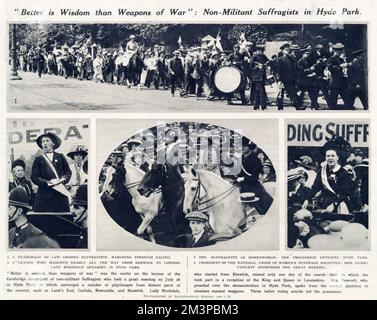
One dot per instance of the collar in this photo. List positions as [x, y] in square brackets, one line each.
[198, 236]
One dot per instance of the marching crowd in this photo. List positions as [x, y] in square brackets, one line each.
[313, 70]
[337, 185]
[56, 187]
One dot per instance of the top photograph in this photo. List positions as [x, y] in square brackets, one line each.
[187, 67]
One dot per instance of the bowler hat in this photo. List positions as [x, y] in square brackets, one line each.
[55, 139]
[338, 46]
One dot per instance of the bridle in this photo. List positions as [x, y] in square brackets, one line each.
[201, 193]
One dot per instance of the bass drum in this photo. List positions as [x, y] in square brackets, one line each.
[228, 79]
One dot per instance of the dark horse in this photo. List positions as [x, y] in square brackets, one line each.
[173, 192]
[118, 202]
[135, 67]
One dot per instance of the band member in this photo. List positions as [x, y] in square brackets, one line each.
[176, 72]
[50, 172]
[78, 177]
[286, 74]
[80, 212]
[357, 78]
[258, 78]
[338, 82]
[23, 230]
[19, 180]
[199, 237]
[306, 78]
[237, 59]
[333, 186]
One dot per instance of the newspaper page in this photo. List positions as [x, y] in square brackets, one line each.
[161, 150]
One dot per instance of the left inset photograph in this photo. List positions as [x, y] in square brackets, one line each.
[48, 183]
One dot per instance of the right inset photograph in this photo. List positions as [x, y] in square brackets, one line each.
[328, 184]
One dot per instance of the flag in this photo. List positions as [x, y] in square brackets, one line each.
[218, 43]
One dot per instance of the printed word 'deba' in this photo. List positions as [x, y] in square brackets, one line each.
[355, 132]
[31, 135]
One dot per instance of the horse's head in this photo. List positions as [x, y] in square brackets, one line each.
[192, 186]
[109, 174]
[152, 180]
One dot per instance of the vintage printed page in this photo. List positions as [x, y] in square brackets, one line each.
[164, 150]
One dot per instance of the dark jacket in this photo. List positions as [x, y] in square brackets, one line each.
[286, 69]
[258, 67]
[337, 79]
[305, 75]
[176, 66]
[188, 241]
[49, 200]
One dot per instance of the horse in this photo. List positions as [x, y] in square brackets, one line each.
[171, 182]
[207, 191]
[147, 208]
[135, 67]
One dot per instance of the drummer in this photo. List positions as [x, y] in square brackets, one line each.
[237, 59]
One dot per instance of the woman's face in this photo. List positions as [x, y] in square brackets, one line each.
[47, 144]
[266, 169]
[19, 172]
[332, 158]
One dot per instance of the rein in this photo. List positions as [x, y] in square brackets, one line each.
[197, 200]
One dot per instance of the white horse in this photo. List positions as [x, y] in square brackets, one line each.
[207, 191]
[148, 208]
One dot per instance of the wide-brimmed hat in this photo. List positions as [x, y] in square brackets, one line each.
[339, 145]
[306, 162]
[79, 149]
[197, 216]
[132, 36]
[18, 163]
[55, 139]
[248, 197]
[136, 142]
[18, 197]
[81, 196]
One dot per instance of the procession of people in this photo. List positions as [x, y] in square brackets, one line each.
[57, 187]
[316, 75]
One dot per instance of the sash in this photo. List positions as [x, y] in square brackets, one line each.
[59, 187]
[325, 181]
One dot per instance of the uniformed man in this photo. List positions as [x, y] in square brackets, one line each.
[80, 214]
[258, 65]
[338, 82]
[22, 231]
[237, 59]
[306, 78]
[286, 74]
[357, 79]
[78, 177]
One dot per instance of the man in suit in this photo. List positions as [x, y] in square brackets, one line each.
[176, 72]
[50, 170]
[287, 74]
[198, 237]
[357, 78]
[306, 79]
[258, 95]
[237, 58]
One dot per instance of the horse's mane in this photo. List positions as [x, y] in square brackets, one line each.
[209, 173]
[138, 170]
